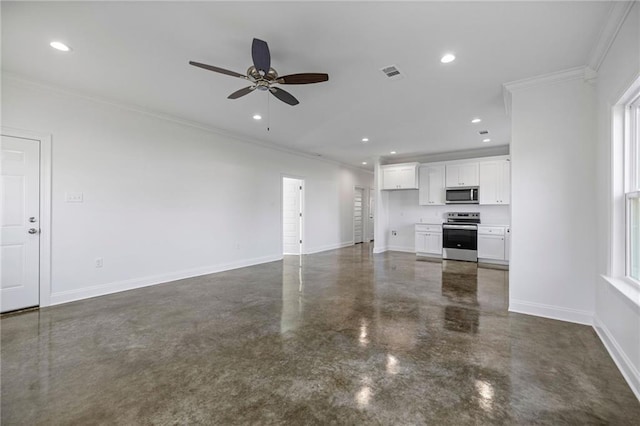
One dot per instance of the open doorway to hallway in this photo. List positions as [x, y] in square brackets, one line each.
[292, 215]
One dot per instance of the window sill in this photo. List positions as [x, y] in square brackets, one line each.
[626, 287]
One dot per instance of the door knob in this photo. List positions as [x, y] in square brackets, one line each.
[33, 230]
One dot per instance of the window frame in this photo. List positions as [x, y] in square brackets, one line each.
[631, 172]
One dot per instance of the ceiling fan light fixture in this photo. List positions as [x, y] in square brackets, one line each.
[365, 140]
[476, 120]
[257, 117]
[364, 163]
[392, 152]
[58, 45]
[449, 57]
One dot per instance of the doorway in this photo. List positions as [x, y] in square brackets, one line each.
[358, 215]
[292, 215]
[25, 220]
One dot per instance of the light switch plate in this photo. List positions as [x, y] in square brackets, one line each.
[73, 197]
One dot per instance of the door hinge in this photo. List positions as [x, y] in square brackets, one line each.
[300, 187]
[300, 214]
[300, 241]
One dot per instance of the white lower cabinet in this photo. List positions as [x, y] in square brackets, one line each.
[492, 243]
[429, 240]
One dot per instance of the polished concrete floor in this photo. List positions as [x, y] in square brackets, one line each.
[346, 337]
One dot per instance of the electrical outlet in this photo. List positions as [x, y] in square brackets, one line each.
[73, 197]
[98, 262]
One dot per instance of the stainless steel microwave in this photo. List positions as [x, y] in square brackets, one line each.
[462, 195]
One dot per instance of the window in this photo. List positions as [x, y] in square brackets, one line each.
[632, 189]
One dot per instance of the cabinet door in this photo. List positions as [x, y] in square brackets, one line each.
[468, 174]
[436, 185]
[451, 179]
[431, 188]
[390, 178]
[504, 194]
[491, 247]
[434, 243]
[421, 242]
[407, 177]
[490, 174]
[423, 185]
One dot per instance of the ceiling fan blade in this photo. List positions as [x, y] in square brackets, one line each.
[304, 78]
[261, 56]
[284, 96]
[216, 69]
[241, 92]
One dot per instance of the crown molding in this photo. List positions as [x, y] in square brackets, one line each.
[20, 81]
[617, 15]
[578, 73]
[464, 154]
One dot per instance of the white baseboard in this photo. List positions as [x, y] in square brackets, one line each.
[328, 247]
[402, 249]
[626, 367]
[115, 287]
[550, 311]
[377, 250]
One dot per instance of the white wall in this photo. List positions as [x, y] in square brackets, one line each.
[617, 318]
[404, 212]
[552, 266]
[164, 200]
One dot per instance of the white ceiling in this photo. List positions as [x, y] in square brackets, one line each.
[138, 53]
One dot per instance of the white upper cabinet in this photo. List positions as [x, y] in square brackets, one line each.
[400, 176]
[431, 185]
[464, 174]
[495, 182]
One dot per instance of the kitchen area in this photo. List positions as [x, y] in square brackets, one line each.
[455, 210]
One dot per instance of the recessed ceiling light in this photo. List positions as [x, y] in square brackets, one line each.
[365, 140]
[476, 120]
[486, 140]
[60, 46]
[392, 152]
[257, 117]
[449, 57]
[364, 163]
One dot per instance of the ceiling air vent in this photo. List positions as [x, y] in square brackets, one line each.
[392, 72]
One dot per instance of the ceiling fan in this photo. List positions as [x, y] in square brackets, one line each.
[263, 77]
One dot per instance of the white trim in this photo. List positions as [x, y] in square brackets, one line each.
[118, 286]
[378, 250]
[618, 13]
[626, 287]
[329, 247]
[45, 207]
[577, 73]
[20, 81]
[551, 311]
[402, 249]
[622, 361]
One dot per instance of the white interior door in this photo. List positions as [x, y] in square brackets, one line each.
[358, 220]
[19, 223]
[372, 204]
[291, 216]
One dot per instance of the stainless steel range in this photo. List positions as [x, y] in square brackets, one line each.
[460, 236]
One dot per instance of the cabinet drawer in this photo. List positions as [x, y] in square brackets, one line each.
[428, 228]
[490, 230]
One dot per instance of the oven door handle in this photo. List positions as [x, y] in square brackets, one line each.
[471, 227]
